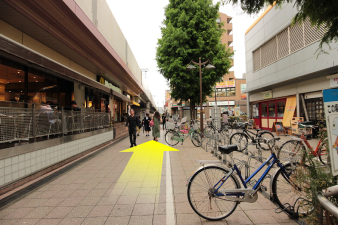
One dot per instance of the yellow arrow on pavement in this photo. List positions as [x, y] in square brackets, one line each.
[145, 165]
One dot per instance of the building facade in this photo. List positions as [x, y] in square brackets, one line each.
[285, 75]
[57, 52]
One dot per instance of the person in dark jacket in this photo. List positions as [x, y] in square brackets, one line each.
[146, 121]
[164, 120]
[74, 106]
[132, 123]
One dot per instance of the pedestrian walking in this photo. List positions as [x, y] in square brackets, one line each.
[132, 123]
[156, 128]
[164, 120]
[139, 126]
[146, 121]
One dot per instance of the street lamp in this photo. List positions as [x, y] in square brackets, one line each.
[208, 67]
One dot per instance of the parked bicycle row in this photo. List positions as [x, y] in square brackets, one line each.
[218, 186]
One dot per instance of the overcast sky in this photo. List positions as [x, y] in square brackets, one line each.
[140, 22]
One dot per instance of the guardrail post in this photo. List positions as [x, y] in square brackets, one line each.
[72, 121]
[62, 122]
[94, 119]
[34, 123]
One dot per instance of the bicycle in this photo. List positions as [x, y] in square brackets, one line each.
[241, 138]
[299, 145]
[214, 191]
[224, 130]
[172, 136]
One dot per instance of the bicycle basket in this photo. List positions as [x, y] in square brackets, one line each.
[170, 126]
[195, 126]
[184, 119]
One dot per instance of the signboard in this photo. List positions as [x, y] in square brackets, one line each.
[228, 83]
[243, 95]
[267, 94]
[106, 83]
[225, 103]
[167, 96]
[330, 97]
[289, 110]
[278, 128]
[334, 82]
[237, 111]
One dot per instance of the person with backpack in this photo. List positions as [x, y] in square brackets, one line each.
[132, 123]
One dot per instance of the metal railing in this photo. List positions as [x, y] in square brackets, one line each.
[329, 206]
[22, 124]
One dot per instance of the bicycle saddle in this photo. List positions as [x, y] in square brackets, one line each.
[276, 138]
[227, 149]
[257, 129]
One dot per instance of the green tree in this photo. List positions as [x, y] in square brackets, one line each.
[320, 12]
[190, 31]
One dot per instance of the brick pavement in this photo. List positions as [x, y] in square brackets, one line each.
[89, 194]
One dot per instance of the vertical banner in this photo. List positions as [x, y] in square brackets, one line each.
[290, 107]
[243, 95]
[330, 97]
[237, 111]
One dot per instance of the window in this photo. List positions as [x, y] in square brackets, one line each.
[272, 109]
[218, 20]
[255, 111]
[280, 109]
[315, 109]
[264, 108]
[226, 92]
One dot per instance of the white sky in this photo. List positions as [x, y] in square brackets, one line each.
[140, 22]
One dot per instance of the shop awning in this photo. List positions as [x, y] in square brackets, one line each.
[135, 103]
[290, 106]
[121, 96]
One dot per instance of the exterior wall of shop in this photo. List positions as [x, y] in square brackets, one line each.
[295, 65]
[79, 94]
[99, 13]
[24, 39]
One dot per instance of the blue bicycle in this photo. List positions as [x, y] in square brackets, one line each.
[214, 191]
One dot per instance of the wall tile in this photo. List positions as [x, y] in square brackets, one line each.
[2, 163]
[33, 154]
[2, 172]
[15, 159]
[21, 165]
[8, 170]
[22, 173]
[27, 156]
[22, 158]
[8, 162]
[38, 166]
[8, 178]
[28, 170]
[15, 175]
[15, 167]
[33, 161]
[39, 153]
[33, 168]
[2, 180]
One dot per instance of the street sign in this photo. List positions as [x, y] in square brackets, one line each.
[330, 97]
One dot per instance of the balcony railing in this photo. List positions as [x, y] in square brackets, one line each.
[28, 124]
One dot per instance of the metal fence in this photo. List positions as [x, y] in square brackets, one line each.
[18, 124]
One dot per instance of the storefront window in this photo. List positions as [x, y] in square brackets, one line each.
[231, 91]
[221, 92]
[264, 109]
[272, 110]
[280, 109]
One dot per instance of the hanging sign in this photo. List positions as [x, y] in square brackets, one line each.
[228, 83]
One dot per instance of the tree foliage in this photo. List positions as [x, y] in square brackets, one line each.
[190, 31]
[320, 12]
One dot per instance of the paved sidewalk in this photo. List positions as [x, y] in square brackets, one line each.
[88, 194]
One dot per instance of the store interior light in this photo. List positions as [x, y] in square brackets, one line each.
[9, 91]
[19, 80]
[34, 77]
[37, 81]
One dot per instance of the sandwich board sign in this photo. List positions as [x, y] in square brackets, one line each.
[330, 97]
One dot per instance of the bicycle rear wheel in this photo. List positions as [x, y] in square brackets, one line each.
[240, 140]
[290, 196]
[201, 193]
[171, 137]
[323, 154]
[196, 139]
[291, 151]
[266, 135]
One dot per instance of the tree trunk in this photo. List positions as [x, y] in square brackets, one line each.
[192, 110]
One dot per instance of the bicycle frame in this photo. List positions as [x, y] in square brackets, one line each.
[245, 192]
[247, 132]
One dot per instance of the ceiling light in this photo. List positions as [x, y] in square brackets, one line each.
[19, 80]
[7, 82]
[9, 91]
[37, 81]
[34, 77]
[21, 91]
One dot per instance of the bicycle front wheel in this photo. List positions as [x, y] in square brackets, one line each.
[289, 195]
[196, 138]
[171, 137]
[201, 193]
[240, 140]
